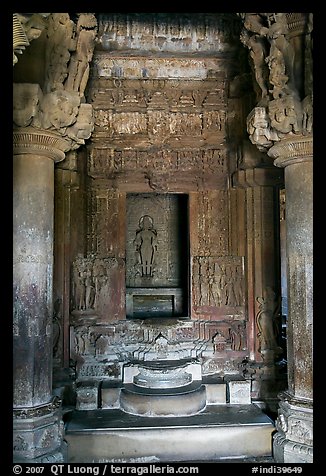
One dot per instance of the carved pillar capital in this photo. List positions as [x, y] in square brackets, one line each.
[280, 54]
[292, 150]
[26, 27]
[58, 113]
[38, 142]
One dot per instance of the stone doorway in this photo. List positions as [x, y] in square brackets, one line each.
[157, 255]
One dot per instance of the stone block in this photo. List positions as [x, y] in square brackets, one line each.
[215, 393]
[110, 397]
[87, 396]
[239, 392]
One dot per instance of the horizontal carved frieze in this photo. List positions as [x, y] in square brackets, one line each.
[122, 67]
[163, 32]
[101, 350]
[161, 94]
[106, 161]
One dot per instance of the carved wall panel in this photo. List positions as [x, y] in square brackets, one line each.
[100, 289]
[158, 134]
[96, 288]
[105, 222]
[218, 287]
[209, 212]
[167, 112]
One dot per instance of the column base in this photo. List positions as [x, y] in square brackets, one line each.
[58, 456]
[293, 441]
[38, 434]
[287, 451]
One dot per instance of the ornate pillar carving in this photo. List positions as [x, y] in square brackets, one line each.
[294, 439]
[282, 125]
[262, 250]
[48, 123]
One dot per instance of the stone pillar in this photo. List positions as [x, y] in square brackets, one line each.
[261, 186]
[37, 427]
[294, 438]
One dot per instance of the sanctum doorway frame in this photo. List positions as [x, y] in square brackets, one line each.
[157, 255]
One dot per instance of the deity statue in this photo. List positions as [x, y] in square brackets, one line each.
[146, 245]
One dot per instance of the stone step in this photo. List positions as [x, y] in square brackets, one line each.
[218, 433]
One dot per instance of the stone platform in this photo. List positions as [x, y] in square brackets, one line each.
[218, 433]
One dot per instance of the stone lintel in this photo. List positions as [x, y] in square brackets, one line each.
[292, 150]
[40, 142]
[258, 177]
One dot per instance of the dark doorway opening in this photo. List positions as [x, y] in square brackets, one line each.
[157, 256]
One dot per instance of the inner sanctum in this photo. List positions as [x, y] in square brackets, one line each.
[157, 255]
[162, 237]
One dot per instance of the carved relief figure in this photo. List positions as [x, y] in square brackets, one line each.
[99, 279]
[146, 245]
[86, 285]
[80, 59]
[280, 50]
[201, 285]
[229, 287]
[260, 132]
[211, 282]
[258, 52]
[281, 56]
[284, 113]
[101, 345]
[268, 309]
[27, 98]
[277, 76]
[58, 110]
[78, 282]
[216, 286]
[237, 335]
[237, 285]
[57, 55]
[89, 287]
